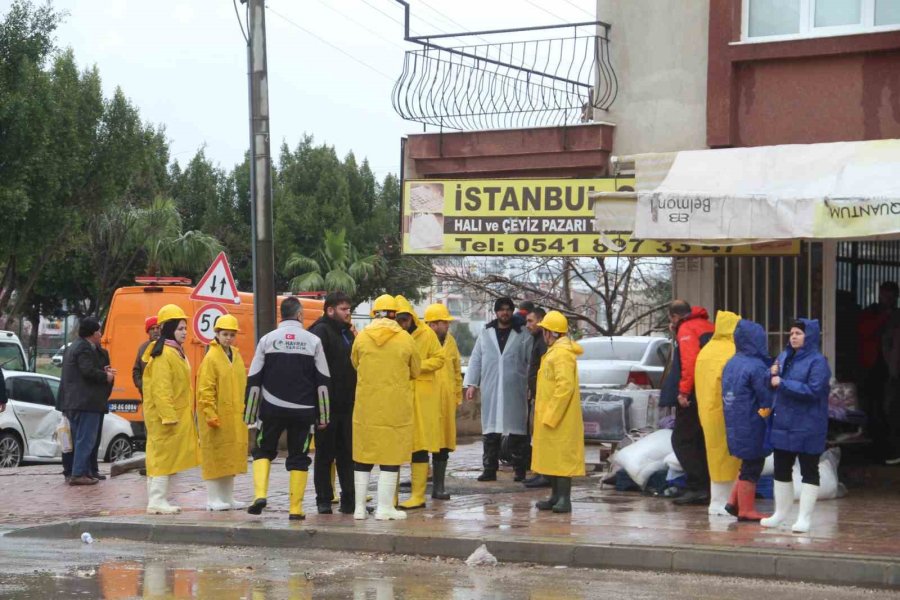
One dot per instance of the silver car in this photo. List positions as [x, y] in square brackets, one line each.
[614, 362]
[28, 425]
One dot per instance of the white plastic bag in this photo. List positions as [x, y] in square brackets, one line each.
[650, 450]
[64, 434]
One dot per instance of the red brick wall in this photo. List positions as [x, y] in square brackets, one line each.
[804, 91]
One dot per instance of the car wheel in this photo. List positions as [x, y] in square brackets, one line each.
[11, 450]
[119, 449]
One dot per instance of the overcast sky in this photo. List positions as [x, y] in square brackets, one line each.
[183, 63]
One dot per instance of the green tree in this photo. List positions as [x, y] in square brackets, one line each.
[336, 266]
[464, 338]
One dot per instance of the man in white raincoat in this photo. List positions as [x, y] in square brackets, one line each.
[499, 367]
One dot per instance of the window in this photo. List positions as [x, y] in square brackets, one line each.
[30, 389]
[788, 19]
[11, 357]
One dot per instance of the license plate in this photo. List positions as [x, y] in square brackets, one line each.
[123, 407]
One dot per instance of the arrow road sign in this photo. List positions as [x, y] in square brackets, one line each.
[217, 285]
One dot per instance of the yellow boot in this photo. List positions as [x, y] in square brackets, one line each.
[419, 482]
[261, 467]
[297, 488]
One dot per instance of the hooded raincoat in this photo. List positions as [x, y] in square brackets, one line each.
[800, 418]
[169, 414]
[745, 390]
[427, 404]
[221, 384]
[502, 379]
[558, 440]
[386, 361]
[708, 369]
[450, 379]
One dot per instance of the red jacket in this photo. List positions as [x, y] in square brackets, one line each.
[688, 338]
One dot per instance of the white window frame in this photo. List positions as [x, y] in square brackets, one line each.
[808, 27]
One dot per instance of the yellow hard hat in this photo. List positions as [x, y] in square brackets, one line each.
[385, 302]
[437, 312]
[555, 321]
[403, 305]
[170, 312]
[227, 323]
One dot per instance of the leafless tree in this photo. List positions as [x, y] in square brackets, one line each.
[609, 295]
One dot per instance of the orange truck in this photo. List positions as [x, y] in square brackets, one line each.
[123, 333]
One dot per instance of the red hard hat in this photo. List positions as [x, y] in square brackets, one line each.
[148, 323]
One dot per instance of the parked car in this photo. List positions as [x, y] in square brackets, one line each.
[12, 355]
[617, 361]
[28, 425]
[58, 357]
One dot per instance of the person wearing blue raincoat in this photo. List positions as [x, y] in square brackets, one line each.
[747, 398]
[801, 379]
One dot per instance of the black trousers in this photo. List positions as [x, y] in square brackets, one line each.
[784, 466]
[690, 446]
[751, 469]
[518, 445]
[299, 434]
[334, 444]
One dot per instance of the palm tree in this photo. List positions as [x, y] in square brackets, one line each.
[336, 266]
[168, 248]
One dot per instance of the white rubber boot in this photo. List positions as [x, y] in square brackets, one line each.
[229, 495]
[360, 489]
[808, 495]
[719, 492]
[157, 491]
[387, 490]
[784, 500]
[216, 492]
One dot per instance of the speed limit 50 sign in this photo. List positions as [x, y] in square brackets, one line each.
[205, 319]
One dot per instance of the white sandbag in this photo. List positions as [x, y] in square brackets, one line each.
[650, 449]
[769, 466]
[829, 488]
[649, 469]
[672, 462]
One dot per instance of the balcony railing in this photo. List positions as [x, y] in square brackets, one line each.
[523, 77]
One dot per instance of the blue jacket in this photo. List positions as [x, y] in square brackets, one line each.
[745, 389]
[800, 420]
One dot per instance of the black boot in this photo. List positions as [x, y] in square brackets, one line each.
[693, 498]
[564, 492]
[490, 458]
[554, 496]
[518, 450]
[438, 476]
[538, 481]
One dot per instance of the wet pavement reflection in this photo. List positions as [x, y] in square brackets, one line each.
[119, 570]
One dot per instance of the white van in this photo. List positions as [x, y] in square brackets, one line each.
[12, 355]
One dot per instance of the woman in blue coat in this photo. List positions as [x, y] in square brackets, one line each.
[801, 379]
[747, 398]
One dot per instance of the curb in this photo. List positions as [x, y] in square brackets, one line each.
[883, 571]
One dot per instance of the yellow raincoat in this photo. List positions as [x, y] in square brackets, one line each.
[708, 388]
[169, 414]
[221, 384]
[386, 361]
[558, 440]
[450, 379]
[427, 431]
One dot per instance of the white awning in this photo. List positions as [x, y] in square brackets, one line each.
[742, 195]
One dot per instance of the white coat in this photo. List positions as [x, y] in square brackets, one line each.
[502, 379]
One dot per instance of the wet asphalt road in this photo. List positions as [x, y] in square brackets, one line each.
[110, 569]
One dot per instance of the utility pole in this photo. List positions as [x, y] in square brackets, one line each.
[260, 173]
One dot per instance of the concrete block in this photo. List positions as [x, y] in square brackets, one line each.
[725, 562]
[623, 557]
[436, 546]
[542, 553]
[843, 571]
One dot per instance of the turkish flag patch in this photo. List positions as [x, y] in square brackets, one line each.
[290, 336]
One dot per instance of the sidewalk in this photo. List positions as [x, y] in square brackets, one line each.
[855, 540]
